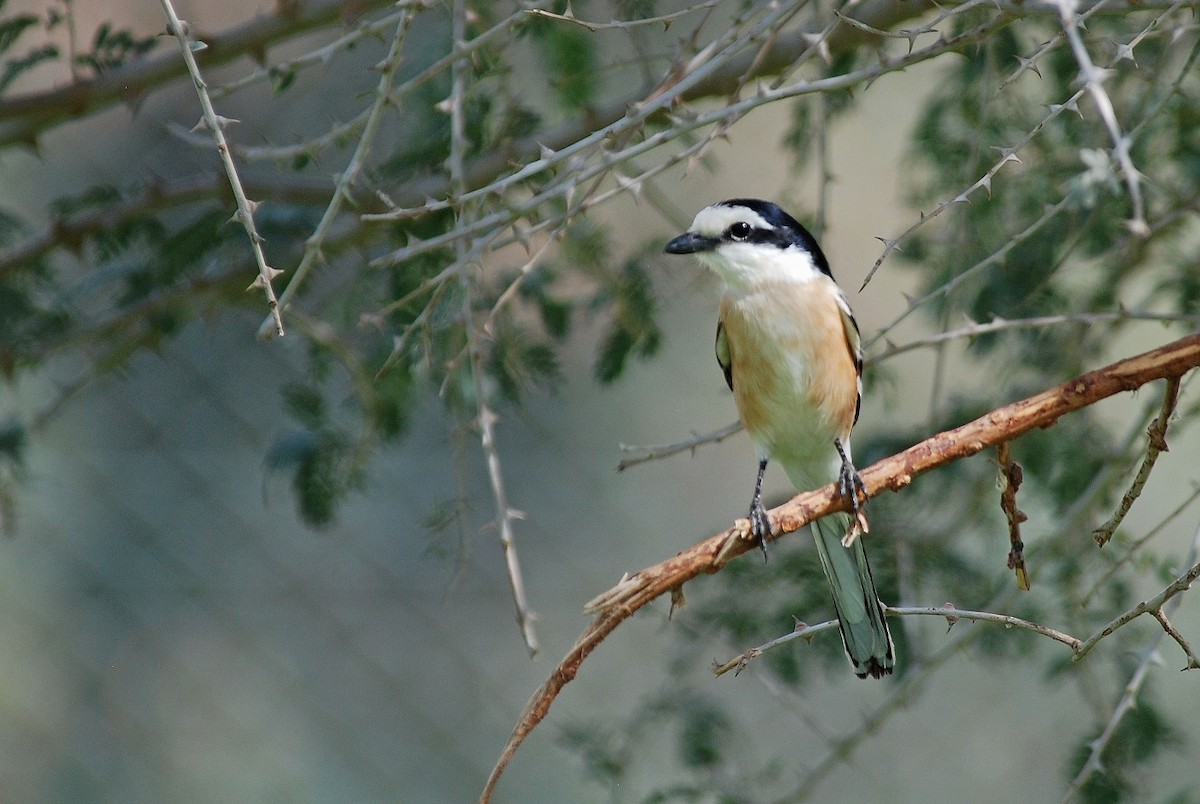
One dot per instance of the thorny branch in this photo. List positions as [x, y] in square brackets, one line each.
[951, 613]
[1157, 442]
[654, 453]
[216, 125]
[1093, 81]
[486, 418]
[348, 176]
[1003, 424]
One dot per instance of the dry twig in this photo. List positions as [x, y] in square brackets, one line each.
[1157, 437]
[1011, 476]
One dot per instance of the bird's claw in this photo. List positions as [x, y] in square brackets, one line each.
[760, 526]
[852, 488]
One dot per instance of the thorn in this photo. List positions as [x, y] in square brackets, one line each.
[1029, 64]
[634, 186]
[950, 618]
[678, 601]
[1125, 52]
[261, 280]
[223, 122]
[521, 233]
[1070, 106]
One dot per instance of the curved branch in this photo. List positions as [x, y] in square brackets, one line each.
[710, 555]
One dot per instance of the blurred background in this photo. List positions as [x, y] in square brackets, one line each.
[184, 616]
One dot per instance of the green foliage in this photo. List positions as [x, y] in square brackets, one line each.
[13, 67]
[11, 29]
[569, 56]
[13, 438]
[519, 360]
[112, 48]
[603, 753]
[634, 331]
[321, 466]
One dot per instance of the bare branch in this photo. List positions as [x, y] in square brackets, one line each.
[346, 179]
[655, 453]
[505, 513]
[1150, 606]
[1093, 80]
[1156, 442]
[952, 615]
[663, 19]
[1139, 544]
[216, 125]
[708, 556]
[975, 329]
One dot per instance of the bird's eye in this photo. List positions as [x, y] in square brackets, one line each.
[740, 231]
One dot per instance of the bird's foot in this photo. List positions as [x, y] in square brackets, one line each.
[760, 525]
[852, 488]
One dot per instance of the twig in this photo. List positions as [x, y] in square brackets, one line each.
[345, 180]
[655, 453]
[216, 124]
[665, 19]
[708, 556]
[324, 54]
[952, 615]
[1139, 544]
[1093, 82]
[505, 513]
[1192, 662]
[975, 329]
[1156, 442]
[1151, 606]
[1011, 476]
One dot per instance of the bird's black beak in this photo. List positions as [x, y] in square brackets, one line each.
[690, 243]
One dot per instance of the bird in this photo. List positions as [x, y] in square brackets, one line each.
[791, 353]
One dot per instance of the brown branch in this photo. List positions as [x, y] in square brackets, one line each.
[1156, 434]
[1012, 475]
[894, 473]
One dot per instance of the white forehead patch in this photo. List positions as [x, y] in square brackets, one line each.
[713, 221]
